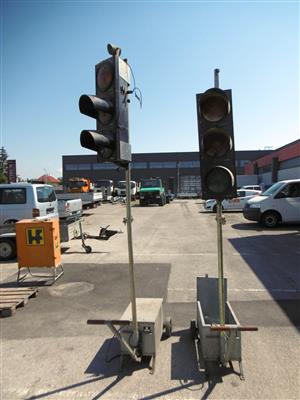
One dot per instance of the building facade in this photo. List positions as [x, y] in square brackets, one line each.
[283, 163]
[180, 171]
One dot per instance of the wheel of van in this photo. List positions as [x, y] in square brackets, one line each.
[270, 219]
[8, 249]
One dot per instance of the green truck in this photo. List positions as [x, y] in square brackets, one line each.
[152, 192]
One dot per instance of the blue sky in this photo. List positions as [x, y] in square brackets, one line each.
[49, 50]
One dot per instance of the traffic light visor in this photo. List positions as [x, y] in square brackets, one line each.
[105, 76]
[219, 180]
[216, 143]
[214, 105]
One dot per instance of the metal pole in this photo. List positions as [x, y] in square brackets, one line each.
[220, 240]
[134, 340]
[216, 77]
[220, 264]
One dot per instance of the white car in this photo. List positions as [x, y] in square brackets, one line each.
[252, 187]
[235, 204]
[278, 204]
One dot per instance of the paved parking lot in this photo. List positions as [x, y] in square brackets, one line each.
[48, 350]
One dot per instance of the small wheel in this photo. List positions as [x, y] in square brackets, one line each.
[88, 249]
[194, 330]
[168, 326]
[8, 249]
[270, 219]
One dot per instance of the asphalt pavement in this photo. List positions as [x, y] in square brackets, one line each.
[48, 350]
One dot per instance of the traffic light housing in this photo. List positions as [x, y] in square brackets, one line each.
[110, 109]
[216, 143]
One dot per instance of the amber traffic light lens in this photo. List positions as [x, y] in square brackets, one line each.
[214, 105]
[105, 76]
[216, 143]
[219, 179]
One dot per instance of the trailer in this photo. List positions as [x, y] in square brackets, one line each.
[89, 200]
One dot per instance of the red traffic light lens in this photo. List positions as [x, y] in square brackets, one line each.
[105, 76]
[214, 105]
[216, 143]
[219, 180]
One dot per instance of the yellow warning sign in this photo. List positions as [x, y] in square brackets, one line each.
[35, 236]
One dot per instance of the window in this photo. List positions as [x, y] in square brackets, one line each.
[189, 164]
[71, 167]
[290, 190]
[13, 196]
[82, 167]
[139, 165]
[45, 194]
[155, 165]
[104, 166]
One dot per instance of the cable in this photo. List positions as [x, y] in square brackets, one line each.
[135, 88]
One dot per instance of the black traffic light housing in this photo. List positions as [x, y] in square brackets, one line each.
[216, 143]
[110, 109]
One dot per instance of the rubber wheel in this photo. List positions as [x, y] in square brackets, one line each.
[270, 219]
[194, 330]
[8, 249]
[88, 249]
[168, 327]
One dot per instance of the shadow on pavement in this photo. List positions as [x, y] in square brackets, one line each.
[254, 226]
[275, 260]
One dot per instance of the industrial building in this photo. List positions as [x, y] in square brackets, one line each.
[179, 171]
[282, 163]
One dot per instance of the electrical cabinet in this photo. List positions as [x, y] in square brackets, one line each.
[150, 325]
[38, 243]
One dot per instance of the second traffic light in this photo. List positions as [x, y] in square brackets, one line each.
[110, 109]
[216, 143]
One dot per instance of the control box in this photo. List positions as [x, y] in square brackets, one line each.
[38, 243]
[150, 325]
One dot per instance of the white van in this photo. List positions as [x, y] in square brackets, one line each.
[279, 203]
[25, 200]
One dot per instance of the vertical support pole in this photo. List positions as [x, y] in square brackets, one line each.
[220, 264]
[134, 340]
[216, 77]
[220, 259]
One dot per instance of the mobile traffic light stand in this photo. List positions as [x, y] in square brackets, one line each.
[141, 325]
[217, 328]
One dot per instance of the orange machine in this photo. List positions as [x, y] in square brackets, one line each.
[80, 185]
[38, 243]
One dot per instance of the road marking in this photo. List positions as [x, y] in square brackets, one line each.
[242, 290]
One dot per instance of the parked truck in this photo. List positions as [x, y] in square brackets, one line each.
[80, 188]
[106, 187]
[152, 192]
[121, 189]
[80, 185]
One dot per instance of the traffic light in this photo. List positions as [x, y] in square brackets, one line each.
[110, 109]
[216, 143]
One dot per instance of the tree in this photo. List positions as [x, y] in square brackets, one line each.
[3, 165]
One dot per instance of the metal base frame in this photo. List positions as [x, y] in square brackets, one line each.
[54, 275]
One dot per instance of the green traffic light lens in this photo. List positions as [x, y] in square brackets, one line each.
[214, 105]
[219, 180]
[105, 76]
[216, 143]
